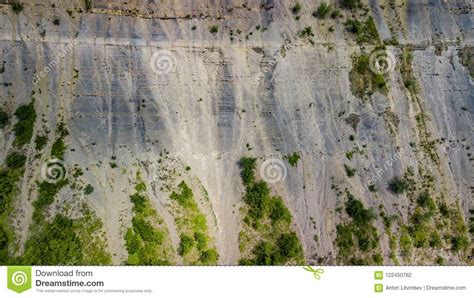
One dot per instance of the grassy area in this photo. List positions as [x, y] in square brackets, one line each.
[23, 128]
[267, 238]
[365, 33]
[364, 82]
[196, 246]
[147, 241]
[358, 240]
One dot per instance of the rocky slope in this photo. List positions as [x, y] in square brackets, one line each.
[134, 97]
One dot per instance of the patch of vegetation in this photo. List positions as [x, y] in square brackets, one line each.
[23, 128]
[3, 118]
[40, 142]
[293, 158]
[466, 57]
[88, 189]
[406, 71]
[350, 172]
[64, 241]
[59, 147]
[56, 21]
[17, 7]
[350, 4]
[307, 32]
[323, 10]
[88, 4]
[296, 9]
[195, 246]
[365, 33]
[358, 240]
[147, 241]
[398, 185]
[15, 160]
[364, 82]
[214, 29]
[267, 238]
[46, 193]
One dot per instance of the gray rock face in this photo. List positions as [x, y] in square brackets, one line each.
[135, 80]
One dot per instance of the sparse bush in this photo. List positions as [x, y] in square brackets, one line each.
[209, 257]
[293, 158]
[40, 142]
[15, 160]
[214, 29]
[247, 166]
[56, 21]
[3, 118]
[307, 32]
[17, 7]
[351, 4]
[296, 9]
[26, 117]
[88, 189]
[398, 185]
[322, 11]
[350, 172]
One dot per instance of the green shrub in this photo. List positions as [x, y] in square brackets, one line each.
[56, 244]
[88, 189]
[17, 7]
[427, 202]
[355, 209]
[201, 240]
[294, 157]
[247, 166]
[140, 203]
[26, 117]
[296, 9]
[351, 4]
[209, 257]
[185, 198]
[322, 11]
[344, 240]
[145, 230]
[15, 160]
[350, 172]
[459, 243]
[58, 149]
[3, 118]
[258, 199]
[289, 246]
[88, 4]
[40, 142]
[398, 185]
[306, 32]
[214, 29]
[278, 211]
[185, 245]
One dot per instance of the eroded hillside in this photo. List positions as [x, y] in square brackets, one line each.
[226, 132]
